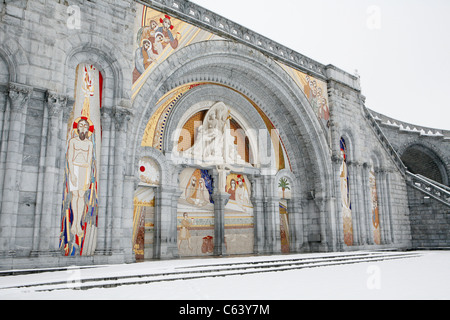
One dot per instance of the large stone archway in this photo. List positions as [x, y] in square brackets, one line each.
[422, 160]
[265, 95]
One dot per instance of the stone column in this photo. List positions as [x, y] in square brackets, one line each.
[338, 218]
[362, 209]
[273, 213]
[354, 198]
[390, 229]
[130, 186]
[55, 105]
[258, 215]
[166, 204]
[368, 204]
[220, 199]
[296, 232]
[105, 185]
[122, 116]
[384, 205]
[19, 96]
[271, 216]
[4, 103]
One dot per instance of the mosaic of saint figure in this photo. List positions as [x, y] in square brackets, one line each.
[80, 196]
[195, 212]
[196, 190]
[239, 190]
[79, 157]
[152, 40]
[184, 234]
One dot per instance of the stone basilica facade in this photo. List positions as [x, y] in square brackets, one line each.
[156, 129]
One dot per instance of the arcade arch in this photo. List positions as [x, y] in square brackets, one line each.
[261, 97]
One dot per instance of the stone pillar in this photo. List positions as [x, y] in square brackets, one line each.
[19, 98]
[258, 215]
[130, 185]
[338, 217]
[292, 218]
[368, 204]
[271, 216]
[46, 242]
[105, 185]
[324, 241]
[360, 197]
[389, 227]
[220, 198]
[165, 242]
[122, 116]
[354, 198]
[384, 205]
[4, 103]
[220, 201]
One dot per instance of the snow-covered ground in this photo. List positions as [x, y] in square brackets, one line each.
[424, 277]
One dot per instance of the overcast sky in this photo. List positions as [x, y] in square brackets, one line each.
[401, 48]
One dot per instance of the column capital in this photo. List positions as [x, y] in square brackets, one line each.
[220, 197]
[122, 116]
[20, 95]
[56, 103]
[337, 159]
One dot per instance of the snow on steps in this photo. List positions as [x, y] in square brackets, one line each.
[217, 270]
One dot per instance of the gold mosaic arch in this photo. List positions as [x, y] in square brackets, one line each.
[155, 129]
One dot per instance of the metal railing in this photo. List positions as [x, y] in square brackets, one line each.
[429, 187]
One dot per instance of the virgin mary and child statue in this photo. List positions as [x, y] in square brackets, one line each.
[214, 143]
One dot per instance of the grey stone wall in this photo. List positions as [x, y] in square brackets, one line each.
[42, 43]
[424, 151]
[430, 221]
[365, 148]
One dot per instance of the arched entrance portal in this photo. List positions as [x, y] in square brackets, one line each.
[424, 161]
[219, 151]
[230, 177]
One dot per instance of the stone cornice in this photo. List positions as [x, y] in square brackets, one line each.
[208, 20]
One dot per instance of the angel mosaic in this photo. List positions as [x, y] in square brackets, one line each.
[153, 40]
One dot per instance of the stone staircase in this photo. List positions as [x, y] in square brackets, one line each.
[427, 186]
[198, 270]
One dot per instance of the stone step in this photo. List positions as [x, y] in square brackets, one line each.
[217, 270]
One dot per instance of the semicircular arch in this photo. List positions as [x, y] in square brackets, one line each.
[260, 79]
